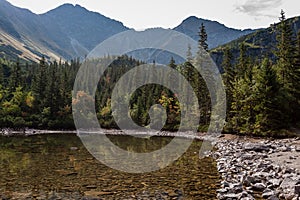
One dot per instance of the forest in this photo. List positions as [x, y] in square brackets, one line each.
[263, 95]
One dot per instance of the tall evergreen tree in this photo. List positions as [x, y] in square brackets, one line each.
[243, 61]
[52, 93]
[1, 74]
[203, 38]
[286, 67]
[285, 52]
[172, 76]
[15, 77]
[229, 78]
[39, 85]
[267, 100]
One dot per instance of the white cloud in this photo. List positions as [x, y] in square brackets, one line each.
[259, 7]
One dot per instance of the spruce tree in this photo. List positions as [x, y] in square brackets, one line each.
[286, 67]
[39, 85]
[229, 78]
[203, 38]
[15, 77]
[172, 76]
[243, 61]
[1, 74]
[267, 100]
[285, 52]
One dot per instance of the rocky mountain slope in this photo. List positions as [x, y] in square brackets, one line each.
[218, 34]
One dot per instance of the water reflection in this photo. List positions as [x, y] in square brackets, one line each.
[43, 164]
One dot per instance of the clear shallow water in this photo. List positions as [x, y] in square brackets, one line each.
[40, 166]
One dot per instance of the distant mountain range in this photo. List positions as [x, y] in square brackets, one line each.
[72, 31]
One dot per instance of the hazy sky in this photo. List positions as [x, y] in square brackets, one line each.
[140, 14]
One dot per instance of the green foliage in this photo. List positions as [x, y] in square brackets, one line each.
[263, 97]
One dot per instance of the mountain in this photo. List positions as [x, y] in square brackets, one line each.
[65, 32]
[218, 34]
[22, 34]
[70, 31]
[82, 30]
[259, 43]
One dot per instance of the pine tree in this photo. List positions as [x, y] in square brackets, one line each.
[172, 77]
[1, 74]
[203, 38]
[52, 93]
[267, 100]
[15, 77]
[243, 61]
[229, 78]
[242, 114]
[286, 67]
[39, 85]
[189, 54]
[285, 52]
[295, 83]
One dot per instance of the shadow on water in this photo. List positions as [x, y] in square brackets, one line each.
[42, 165]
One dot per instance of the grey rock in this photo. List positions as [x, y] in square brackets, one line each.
[249, 180]
[266, 195]
[259, 187]
[232, 196]
[224, 190]
[273, 198]
[288, 183]
[256, 147]
[297, 189]
[289, 196]
[275, 182]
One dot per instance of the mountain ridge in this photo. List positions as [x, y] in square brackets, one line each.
[70, 31]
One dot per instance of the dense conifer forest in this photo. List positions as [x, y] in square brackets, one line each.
[262, 95]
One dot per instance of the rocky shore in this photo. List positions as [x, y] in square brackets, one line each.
[258, 169]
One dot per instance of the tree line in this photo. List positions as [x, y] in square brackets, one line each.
[262, 95]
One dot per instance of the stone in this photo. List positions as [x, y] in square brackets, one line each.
[297, 189]
[224, 190]
[274, 197]
[289, 196]
[275, 182]
[256, 147]
[232, 196]
[288, 183]
[237, 187]
[249, 180]
[266, 195]
[259, 187]
[248, 198]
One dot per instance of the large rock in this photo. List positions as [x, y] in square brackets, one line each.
[256, 147]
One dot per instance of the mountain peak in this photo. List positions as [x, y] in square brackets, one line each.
[67, 7]
[218, 33]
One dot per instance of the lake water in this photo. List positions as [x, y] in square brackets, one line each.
[58, 166]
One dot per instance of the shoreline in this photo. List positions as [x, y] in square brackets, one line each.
[33, 132]
[258, 168]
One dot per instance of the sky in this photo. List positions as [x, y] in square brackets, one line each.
[142, 14]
